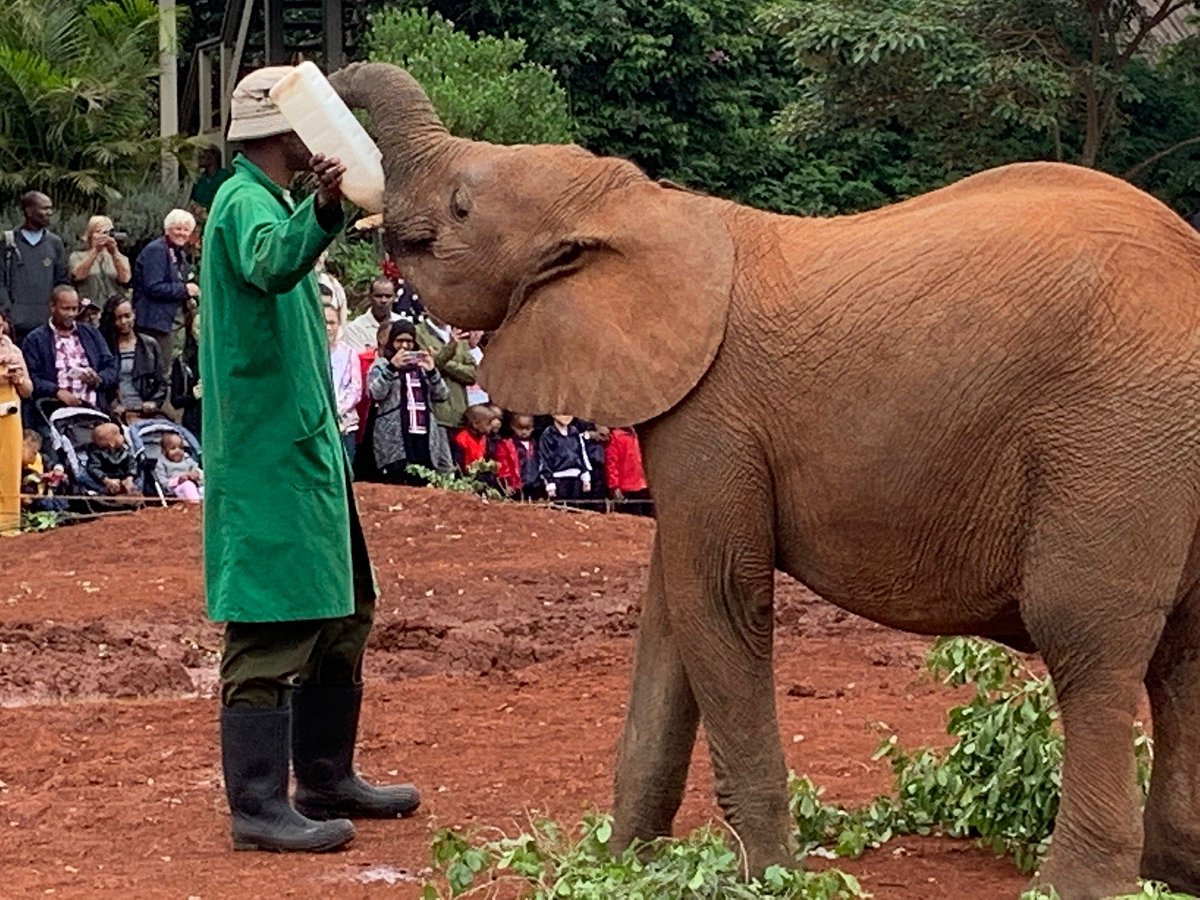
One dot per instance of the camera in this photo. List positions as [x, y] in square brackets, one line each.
[118, 236]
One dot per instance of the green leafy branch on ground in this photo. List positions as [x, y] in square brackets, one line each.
[552, 862]
[469, 482]
[41, 521]
[1151, 890]
[999, 783]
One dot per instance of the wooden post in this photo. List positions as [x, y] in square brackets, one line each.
[273, 21]
[335, 44]
[168, 88]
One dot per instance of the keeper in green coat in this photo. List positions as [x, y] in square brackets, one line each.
[285, 563]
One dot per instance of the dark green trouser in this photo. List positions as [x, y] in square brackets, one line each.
[262, 661]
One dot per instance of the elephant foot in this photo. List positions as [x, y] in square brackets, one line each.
[1080, 880]
[628, 830]
[1172, 859]
[758, 860]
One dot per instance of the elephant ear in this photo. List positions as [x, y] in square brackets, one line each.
[632, 321]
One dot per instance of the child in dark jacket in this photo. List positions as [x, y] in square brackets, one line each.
[39, 482]
[528, 460]
[109, 463]
[565, 469]
[595, 441]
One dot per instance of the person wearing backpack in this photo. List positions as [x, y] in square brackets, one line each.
[33, 261]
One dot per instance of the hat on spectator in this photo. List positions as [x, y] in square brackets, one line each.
[252, 112]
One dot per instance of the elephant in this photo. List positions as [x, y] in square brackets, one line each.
[976, 411]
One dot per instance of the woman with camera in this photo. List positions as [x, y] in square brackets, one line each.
[101, 271]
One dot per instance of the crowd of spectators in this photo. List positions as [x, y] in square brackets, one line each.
[92, 331]
[410, 409]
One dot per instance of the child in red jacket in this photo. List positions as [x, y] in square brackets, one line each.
[626, 478]
[480, 440]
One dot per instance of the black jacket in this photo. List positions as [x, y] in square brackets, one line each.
[116, 464]
[185, 375]
[560, 452]
[147, 373]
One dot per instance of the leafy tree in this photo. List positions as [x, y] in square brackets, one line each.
[1159, 146]
[481, 87]
[965, 86]
[685, 88]
[78, 103]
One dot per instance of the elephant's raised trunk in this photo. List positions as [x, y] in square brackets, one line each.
[401, 114]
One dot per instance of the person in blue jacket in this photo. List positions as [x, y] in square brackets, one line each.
[163, 284]
[68, 361]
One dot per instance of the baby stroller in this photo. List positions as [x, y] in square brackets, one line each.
[145, 441]
[70, 435]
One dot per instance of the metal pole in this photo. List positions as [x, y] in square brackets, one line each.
[168, 88]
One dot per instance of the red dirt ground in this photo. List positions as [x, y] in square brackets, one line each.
[498, 673]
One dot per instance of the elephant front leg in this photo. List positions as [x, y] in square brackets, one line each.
[720, 578]
[660, 727]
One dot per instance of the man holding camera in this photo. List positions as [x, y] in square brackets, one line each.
[102, 270]
[33, 260]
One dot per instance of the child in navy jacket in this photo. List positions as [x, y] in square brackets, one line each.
[565, 469]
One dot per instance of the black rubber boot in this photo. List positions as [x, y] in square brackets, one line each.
[254, 755]
[324, 728]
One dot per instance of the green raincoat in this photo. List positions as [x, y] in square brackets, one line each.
[277, 504]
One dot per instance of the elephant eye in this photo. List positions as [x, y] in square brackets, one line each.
[460, 204]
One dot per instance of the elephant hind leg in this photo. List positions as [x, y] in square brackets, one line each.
[1172, 817]
[660, 727]
[1096, 609]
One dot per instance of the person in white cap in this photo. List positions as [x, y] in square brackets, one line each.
[285, 563]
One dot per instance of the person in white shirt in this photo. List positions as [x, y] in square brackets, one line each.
[337, 293]
[362, 332]
[475, 394]
[347, 381]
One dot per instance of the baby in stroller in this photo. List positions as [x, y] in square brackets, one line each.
[110, 464]
[176, 472]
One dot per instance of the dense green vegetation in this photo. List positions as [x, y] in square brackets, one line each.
[815, 106]
[78, 99]
[841, 105]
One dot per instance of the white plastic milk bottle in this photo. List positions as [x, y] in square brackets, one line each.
[323, 121]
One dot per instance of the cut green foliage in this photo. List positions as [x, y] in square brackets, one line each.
[1151, 890]
[551, 862]
[40, 521]
[999, 782]
[469, 482]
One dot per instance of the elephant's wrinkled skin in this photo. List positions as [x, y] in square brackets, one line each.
[973, 412]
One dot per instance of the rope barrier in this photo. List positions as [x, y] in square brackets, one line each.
[133, 503]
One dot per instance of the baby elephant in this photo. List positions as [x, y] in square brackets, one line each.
[974, 412]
